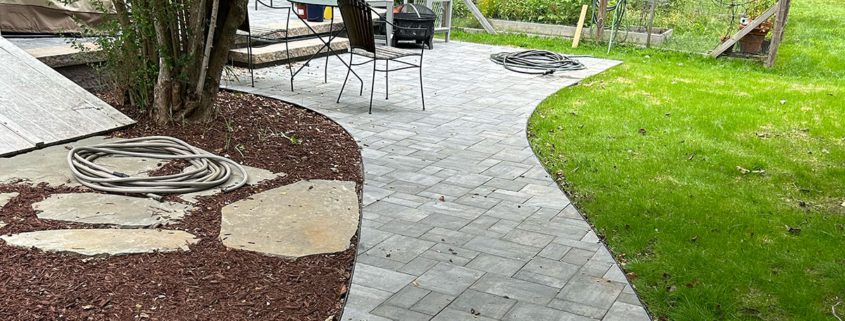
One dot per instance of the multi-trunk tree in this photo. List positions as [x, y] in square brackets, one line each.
[167, 56]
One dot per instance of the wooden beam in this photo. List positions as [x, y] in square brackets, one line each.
[744, 31]
[600, 20]
[651, 22]
[777, 36]
[480, 17]
[580, 27]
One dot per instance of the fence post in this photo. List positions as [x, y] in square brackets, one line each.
[602, 16]
[777, 36]
[650, 23]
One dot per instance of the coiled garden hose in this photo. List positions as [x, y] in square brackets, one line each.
[207, 170]
[536, 62]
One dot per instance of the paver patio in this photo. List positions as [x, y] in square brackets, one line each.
[461, 222]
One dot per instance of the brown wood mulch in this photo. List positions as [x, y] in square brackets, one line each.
[209, 282]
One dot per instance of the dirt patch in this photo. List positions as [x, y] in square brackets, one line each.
[209, 282]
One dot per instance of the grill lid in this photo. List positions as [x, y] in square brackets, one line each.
[416, 10]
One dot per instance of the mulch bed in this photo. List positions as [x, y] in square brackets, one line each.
[209, 282]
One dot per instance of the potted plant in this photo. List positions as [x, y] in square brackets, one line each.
[752, 43]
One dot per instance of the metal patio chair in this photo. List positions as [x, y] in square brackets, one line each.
[358, 18]
[264, 35]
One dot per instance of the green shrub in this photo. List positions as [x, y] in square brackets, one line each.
[546, 11]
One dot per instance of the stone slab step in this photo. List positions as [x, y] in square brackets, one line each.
[303, 218]
[103, 242]
[276, 53]
[117, 210]
[297, 29]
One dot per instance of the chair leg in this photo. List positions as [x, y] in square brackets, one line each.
[386, 79]
[328, 50]
[422, 92]
[372, 87]
[249, 55]
[347, 77]
[287, 46]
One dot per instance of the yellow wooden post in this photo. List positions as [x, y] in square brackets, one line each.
[580, 27]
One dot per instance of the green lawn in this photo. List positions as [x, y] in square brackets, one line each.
[719, 183]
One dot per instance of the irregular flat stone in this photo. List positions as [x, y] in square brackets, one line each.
[2, 225]
[49, 165]
[254, 177]
[123, 211]
[6, 197]
[303, 218]
[103, 242]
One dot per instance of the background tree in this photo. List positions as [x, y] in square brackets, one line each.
[167, 56]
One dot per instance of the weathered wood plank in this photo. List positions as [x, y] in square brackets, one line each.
[743, 32]
[64, 83]
[38, 96]
[39, 106]
[777, 35]
[480, 17]
[11, 142]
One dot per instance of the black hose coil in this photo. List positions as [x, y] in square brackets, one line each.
[536, 62]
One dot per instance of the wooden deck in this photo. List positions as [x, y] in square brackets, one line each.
[39, 106]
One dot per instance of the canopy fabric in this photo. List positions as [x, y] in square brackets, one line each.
[50, 16]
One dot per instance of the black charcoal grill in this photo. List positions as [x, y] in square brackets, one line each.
[415, 23]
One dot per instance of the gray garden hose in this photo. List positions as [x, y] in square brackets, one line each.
[207, 170]
[536, 62]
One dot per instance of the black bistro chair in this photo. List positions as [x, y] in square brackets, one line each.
[358, 18]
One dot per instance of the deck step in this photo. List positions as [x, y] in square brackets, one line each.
[297, 30]
[276, 53]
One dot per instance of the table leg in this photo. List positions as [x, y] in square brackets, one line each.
[331, 37]
[329, 50]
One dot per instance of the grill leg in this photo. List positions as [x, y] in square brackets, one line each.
[386, 79]
[422, 92]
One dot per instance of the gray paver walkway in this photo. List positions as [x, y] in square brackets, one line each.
[506, 244]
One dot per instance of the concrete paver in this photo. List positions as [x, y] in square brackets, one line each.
[461, 176]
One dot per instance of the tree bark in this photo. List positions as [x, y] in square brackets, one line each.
[202, 107]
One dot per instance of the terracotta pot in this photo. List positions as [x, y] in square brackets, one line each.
[752, 43]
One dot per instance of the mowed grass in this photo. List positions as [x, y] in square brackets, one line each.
[718, 183]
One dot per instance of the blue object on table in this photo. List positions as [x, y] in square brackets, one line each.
[315, 12]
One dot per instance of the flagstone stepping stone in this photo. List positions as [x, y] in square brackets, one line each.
[103, 242]
[49, 165]
[6, 197]
[303, 218]
[118, 210]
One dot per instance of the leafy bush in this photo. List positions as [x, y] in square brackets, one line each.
[546, 11]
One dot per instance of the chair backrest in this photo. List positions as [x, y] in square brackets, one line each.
[245, 24]
[359, 24]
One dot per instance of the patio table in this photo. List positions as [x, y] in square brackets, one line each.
[388, 4]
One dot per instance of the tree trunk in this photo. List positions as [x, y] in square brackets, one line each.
[185, 90]
[230, 16]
